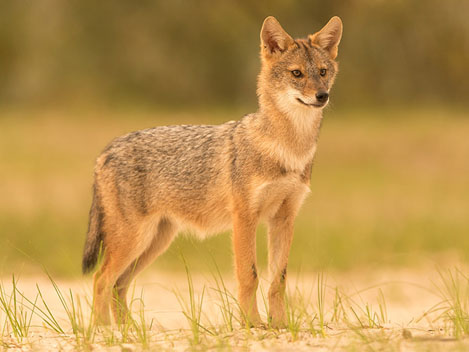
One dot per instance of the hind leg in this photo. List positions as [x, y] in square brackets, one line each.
[163, 237]
[121, 249]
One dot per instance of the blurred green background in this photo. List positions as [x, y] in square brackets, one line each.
[390, 186]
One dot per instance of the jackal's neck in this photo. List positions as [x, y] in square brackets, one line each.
[294, 124]
[288, 135]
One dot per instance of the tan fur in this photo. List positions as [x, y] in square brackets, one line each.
[150, 184]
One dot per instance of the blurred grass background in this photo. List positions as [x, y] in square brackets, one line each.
[390, 185]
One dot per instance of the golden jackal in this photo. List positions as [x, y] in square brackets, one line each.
[151, 183]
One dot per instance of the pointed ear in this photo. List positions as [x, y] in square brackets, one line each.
[273, 37]
[328, 38]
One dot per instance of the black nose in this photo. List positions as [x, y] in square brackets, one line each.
[322, 96]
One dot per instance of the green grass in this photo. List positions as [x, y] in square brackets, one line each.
[387, 189]
[326, 316]
[453, 289]
[192, 309]
[18, 314]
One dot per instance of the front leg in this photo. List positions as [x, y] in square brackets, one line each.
[244, 245]
[280, 235]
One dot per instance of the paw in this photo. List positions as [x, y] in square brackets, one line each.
[101, 319]
[102, 325]
[253, 321]
[278, 321]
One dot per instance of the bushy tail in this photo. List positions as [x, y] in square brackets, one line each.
[94, 239]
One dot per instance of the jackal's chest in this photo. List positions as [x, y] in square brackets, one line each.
[268, 196]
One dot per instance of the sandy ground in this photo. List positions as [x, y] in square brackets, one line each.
[409, 295]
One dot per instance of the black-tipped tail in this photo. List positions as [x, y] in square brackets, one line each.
[94, 239]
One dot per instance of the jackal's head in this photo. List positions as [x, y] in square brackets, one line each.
[297, 75]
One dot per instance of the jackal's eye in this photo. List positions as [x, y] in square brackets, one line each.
[297, 73]
[322, 72]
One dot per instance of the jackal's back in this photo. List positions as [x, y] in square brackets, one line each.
[177, 170]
